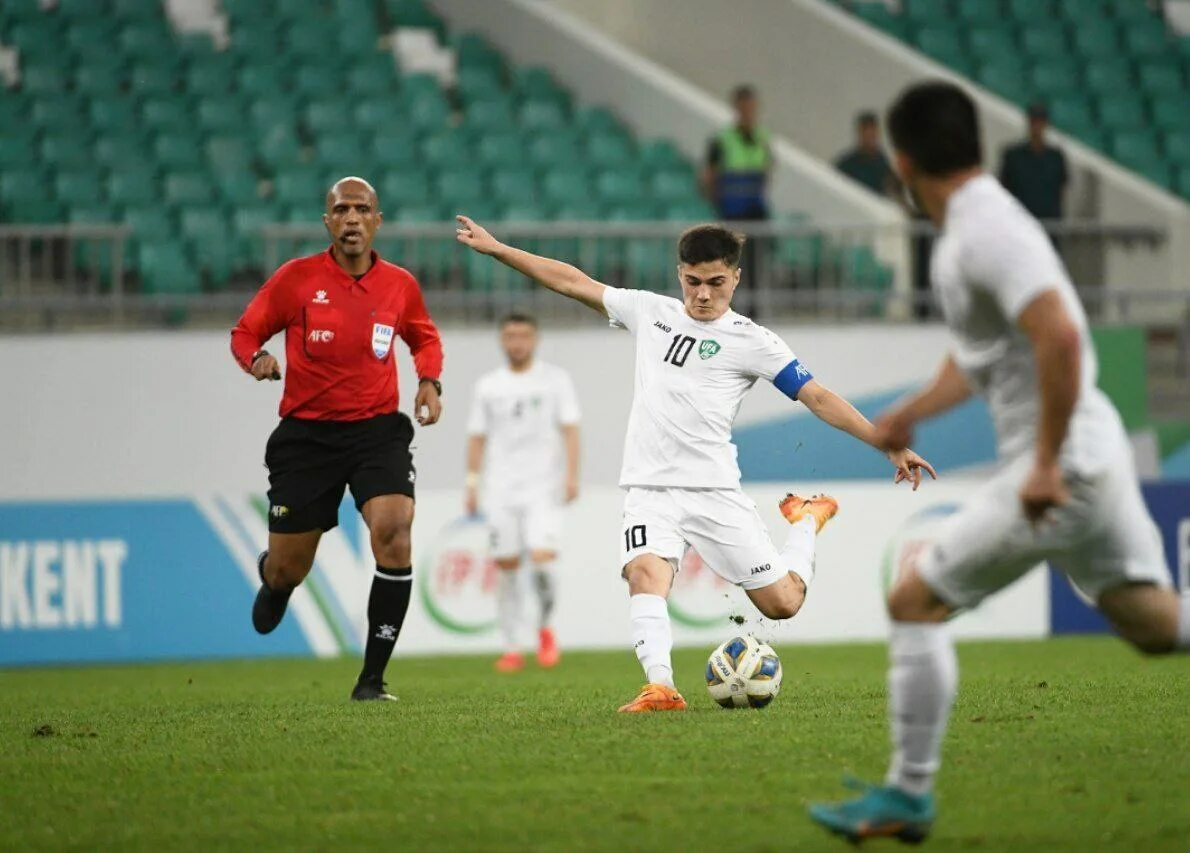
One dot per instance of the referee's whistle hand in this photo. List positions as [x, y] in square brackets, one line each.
[427, 406]
[266, 367]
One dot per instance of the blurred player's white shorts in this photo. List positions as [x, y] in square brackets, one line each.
[1101, 539]
[517, 528]
[722, 525]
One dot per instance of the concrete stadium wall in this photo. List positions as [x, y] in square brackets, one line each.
[816, 66]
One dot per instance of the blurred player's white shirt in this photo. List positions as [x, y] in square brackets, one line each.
[690, 379]
[991, 260]
[520, 414]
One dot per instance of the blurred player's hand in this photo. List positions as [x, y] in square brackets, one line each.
[571, 491]
[909, 467]
[1044, 489]
[471, 233]
[894, 431]
[266, 367]
[427, 406]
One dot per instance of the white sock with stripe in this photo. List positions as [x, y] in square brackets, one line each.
[652, 637]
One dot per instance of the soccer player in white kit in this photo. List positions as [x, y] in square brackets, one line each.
[522, 417]
[1066, 488]
[695, 361]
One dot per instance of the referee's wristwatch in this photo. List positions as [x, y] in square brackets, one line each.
[437, 385]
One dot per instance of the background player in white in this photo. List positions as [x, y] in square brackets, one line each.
[521, 417]
[1067, 487]
[695, 361]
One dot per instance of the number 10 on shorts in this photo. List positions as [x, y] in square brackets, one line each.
[634, 537]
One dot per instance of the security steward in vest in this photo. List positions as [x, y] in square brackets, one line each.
[340, 426]
[736, 175]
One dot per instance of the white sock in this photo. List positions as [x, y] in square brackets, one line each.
[652, 637]
[508, 608]
[922, 678]
[543, 582]
[1184, 623]
[798, 553]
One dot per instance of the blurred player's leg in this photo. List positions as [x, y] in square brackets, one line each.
[508, 614]
[542, 525]
[1155, 620]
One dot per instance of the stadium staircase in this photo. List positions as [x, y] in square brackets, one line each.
[1113, 74]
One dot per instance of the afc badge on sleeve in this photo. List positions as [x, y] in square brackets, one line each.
[382, 339]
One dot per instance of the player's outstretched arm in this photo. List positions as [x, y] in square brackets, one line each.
[558, 276]
[894, 428]
[832, 409]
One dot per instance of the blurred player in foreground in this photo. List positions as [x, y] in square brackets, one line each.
[518, 415]
[341, 310]
[695, 361]
[1067, 487]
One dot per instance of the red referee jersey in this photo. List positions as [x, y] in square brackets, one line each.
[339, 336]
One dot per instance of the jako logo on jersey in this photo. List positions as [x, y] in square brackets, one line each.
[320, 298]
[756, 570]
[382, 339]
[662, 326]
[320, 336]
[708, 348]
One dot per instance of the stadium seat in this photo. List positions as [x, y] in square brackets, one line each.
[494, 115]
[513, 184]
[316, 83]
[942, 42]
[66, 152]
[183, 188]
[461, 185]
[1055, 78]
[1170, 113]
[1031, 12]
[609, 149]
[247, 221]
[300, 187]
[167, 115]
[278, 111]
[1161, 78]
[1079, 12]
[1121, 113]
[501, 150]
[672, 186]
[659, 154]
[229, 154]
[177, 150]
[977, 12]
[396, 148]
[1135, 148]
[589, 120]
[165, 268]
[428, 112]
[329, 116]
[1109, 78]
[1044, 42]
[222, 114]
[279, 148]
[98, 81]
[619, 187]
[52, 115]
[991, 43]
[372, 77]
[1096, 39]
[43, 81]
[1145, 42]
[400, 189]
[342, 153]
[565, 185]
[1072, 113]
[236, 187]
[1177, 148]
[541, 115]
[691, 210]
[79, 187]
[1007, 80]
[921, 12]
[16, 152]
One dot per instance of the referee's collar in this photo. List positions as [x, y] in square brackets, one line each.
[363, 281]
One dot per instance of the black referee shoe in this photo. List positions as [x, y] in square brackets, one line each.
[369, 689]
[269, 607]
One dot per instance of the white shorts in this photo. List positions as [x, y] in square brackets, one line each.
[516, 529]
[722, 525]
[1103, 538]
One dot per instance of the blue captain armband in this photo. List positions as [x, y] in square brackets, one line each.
[791, 379]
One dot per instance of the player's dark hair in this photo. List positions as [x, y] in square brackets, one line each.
[865, 118]
[936, 125]
[743, 92]
[518, 317]
[704, 244]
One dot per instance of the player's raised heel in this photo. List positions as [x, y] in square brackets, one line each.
[655, 697]
[269, 607]
[822, 508]
[880, 812]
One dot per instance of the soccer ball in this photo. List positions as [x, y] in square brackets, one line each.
[743, 673]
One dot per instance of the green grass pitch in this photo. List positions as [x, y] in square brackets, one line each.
[1074, 744]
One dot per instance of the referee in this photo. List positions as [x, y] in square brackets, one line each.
[340, 427]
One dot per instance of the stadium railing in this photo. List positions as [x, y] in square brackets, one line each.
[60, 276]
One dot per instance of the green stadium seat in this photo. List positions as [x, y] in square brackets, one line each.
[262, 81]
[405, 189]
[188, 188]
[229, 154]
[247, 222]
[236, 187]
[1095, 40]
[672, 186]
[922, 12]
[882, 18]
[357, 35]
[992, 43]
[113, 113]
[566, 185]
[1144, 42]
[1130, 10]
[691, 210]
[346, 154]
[609, 149]
[165, 268]
[25, 184]
[202, 223]
[550, 149]
[279, 147]
[618, 187]
[222, 114]
[473, 50]
[149, 224]
[1121, 113]
[83, 35]
[17, 150]
[461, 185]
[940, 41]
[525, 211]
[79, 187]
[490, 116]
[513, 184]
[541, 115]
[177, 150]
[859, 267]
[66, 152]
[589, 120]
[1056, 78]
[101, 81]
[277, 111]
[1007, 80]
[501, 150]
[427, 112]
[149, 83]
[310, 81]
[14, 108]
[445, 150]
[1135, 147]
[135, 10]
[660, 154]
[1109, 78]
[305, 37]
[81, 10]
[57, 113]
[977, 12]
[1161, 78]
[1171, 113]
[33, 37]
[1044, 42]
[43, 81]
[1181, 184]
[1177, 148]
[413, 13]
[1081, 12]
[632, 210]
[166, 115]
[299, 187]
[329, 116]
[373, 77]
[1030, 12]
[145, 37]
[579, 210]
[1072, 113]
[396, 148]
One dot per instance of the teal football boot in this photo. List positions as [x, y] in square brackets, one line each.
[879, 812]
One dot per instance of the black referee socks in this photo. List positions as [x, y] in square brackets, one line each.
[387, 605]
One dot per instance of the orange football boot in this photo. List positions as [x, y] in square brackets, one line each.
[547, 649]
[510, 662]
[655, 697]
[821, 507]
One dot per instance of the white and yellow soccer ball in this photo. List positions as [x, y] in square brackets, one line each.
[744, 673]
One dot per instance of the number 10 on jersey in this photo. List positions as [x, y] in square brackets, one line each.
[679, 350]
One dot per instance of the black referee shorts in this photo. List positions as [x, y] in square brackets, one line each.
[311, 462]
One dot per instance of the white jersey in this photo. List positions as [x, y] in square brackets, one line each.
[520, 414]
[690, 379]
[990, 262]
